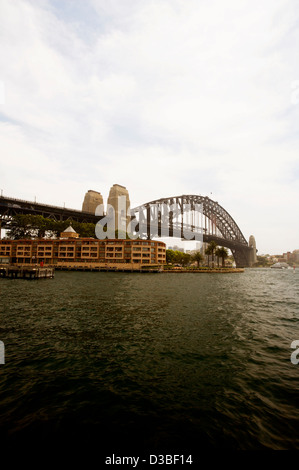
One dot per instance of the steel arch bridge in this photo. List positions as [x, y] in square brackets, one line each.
[214, 223]
[195, 217]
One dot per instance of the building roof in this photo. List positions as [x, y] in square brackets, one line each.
[69, 229]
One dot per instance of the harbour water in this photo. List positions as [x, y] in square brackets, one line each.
[152, 362]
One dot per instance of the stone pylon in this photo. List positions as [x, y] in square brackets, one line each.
[252, 245]
[91, 200]
[119, 199]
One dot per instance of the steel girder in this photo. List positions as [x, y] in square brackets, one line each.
[210, 209]
[10, 207]
[230, 234]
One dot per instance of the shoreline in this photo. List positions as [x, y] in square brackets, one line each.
[208, 270]
[35, 271]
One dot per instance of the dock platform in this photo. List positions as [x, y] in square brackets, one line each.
[25, 272]
[111, 269]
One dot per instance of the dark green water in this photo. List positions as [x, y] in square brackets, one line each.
[155, 361]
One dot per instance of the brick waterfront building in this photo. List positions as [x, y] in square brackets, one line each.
[71, 251]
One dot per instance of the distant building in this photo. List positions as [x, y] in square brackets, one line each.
[69, 233]
[287, 256]
[178, 248]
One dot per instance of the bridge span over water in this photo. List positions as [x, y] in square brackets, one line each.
[187, 217]
[195, 217]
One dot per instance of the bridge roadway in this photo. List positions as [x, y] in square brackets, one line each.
[10, 207]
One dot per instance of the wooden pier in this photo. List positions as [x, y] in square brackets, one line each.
[25, 272]
[111, 269]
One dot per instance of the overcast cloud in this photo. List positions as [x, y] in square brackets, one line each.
[165, 97]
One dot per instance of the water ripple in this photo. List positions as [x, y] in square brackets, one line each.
[157, 359]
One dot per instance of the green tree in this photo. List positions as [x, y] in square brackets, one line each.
[37, 226]
[20, 227]
[197, 256]
[261, 261]
[85, 230]
[170, 256]
[178, 257]
[210, 251]
[186, 258]
[222, 253]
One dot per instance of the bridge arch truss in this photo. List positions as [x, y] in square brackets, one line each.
[195, 216]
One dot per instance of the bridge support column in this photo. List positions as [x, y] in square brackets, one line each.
[252, 245]
[243, 258]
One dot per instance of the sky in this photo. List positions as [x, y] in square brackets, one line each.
[165, 97]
